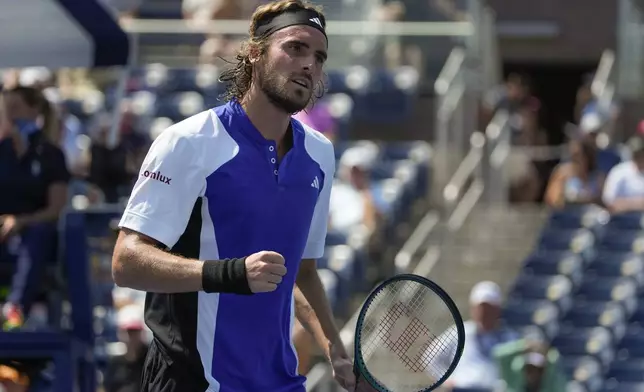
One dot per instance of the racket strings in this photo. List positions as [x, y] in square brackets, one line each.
[408, 339]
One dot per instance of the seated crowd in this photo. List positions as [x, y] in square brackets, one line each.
[54, 158]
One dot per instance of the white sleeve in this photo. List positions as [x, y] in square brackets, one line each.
[319, 224]
[611, 185]
[169, 183]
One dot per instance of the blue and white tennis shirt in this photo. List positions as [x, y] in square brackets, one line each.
[210, 188]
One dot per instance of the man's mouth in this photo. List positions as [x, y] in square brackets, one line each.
[301, 82]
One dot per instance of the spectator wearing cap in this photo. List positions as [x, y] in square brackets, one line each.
[624, 188]
[351, 202]
[124, 371]
[483, 333]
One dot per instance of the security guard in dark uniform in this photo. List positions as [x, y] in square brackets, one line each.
[33, 192]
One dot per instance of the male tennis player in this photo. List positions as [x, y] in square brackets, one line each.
[229, 212]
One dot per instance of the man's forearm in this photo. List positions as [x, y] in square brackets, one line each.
[310, 322]
[142, 266]
[313, 290]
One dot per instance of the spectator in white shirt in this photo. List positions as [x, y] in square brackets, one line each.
[483, 332]
[624, 187]
[351, 199]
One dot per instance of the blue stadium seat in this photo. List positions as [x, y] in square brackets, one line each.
[543, 314]
[632, 344]
[387, 197]
[609, 315]
[160, 9]
[638, 315]
[548, 263]
[382, 101]
[577, 217]
[556, 289]
[143, 103]
[596, 342]
[334, 237]
[622, 241]
[627, 370]
[341, 260]
[153, 78]
[615, 265]
[417, 152]
[627, 221]
[179, 106]
[336, 82]
[619, 290]
[625, 387]
[585, 370]
[181, 80]
[579, 241]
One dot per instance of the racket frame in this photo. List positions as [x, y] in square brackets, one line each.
[359, 366]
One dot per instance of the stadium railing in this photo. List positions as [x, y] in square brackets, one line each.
[630, 49]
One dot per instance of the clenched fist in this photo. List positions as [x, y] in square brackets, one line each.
[264, 271]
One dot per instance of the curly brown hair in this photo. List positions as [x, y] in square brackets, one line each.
[239, 75]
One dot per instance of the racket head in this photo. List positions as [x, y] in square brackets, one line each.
[361, 369]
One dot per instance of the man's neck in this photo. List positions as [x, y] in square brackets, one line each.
[269, 120]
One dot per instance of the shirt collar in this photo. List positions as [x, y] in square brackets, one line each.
[244, 124]
[241, 120]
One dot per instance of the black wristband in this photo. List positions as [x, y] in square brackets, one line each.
[225, 276]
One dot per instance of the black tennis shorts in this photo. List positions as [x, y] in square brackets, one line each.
[162, 374]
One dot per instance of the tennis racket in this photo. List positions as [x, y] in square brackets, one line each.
[409, 337]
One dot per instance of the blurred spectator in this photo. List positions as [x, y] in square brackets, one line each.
[36, 77]
[586, 103]
[352, 203]
[510, 96]
[578, 181]
[202, 12]
[527, 366]
[523, 177]
[72, 134]
[11, 380]
[483, 333]
[319, 118]
[207, 10]
[34, 170]
[124, 371]
[591, 129]
[10, 78]
[108, 169]
[624, 188]
[525, 126]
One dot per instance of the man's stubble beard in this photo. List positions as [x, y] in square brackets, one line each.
[278, 95]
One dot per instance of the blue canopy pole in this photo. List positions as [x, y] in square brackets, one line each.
[117, 116]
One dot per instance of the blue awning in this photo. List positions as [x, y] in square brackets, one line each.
[60, 33]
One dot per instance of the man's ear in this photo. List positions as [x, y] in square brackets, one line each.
[254, 53]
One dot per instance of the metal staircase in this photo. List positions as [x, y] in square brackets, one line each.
[490, 245]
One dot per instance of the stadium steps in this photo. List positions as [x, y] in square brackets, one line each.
[489, 246]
